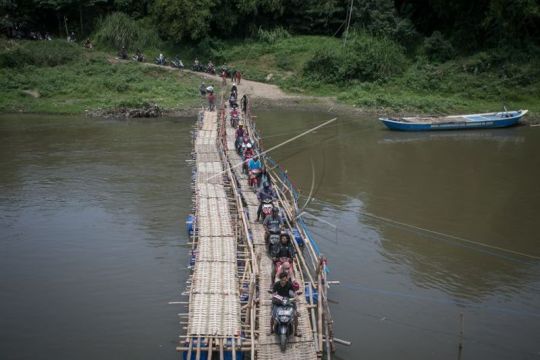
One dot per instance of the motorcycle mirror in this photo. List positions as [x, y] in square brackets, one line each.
[270, 291]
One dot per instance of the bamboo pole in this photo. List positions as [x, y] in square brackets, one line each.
[210, 348]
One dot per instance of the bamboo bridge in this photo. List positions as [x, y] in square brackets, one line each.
[229, 309]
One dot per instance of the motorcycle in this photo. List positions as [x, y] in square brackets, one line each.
[197, 67]
[138, 58]
[284, 319]
[267, 207]
[254, 177]
[273, 238]
[235, 119]
[211, 70]
[160, 61]
[177, 63]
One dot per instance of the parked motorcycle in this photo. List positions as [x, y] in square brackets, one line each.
[138, 58]
[211, 69]
[177, 63]
[197, 67]
[160, 60]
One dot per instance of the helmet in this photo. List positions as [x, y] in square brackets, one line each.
[240, 125]
[275, 209]
[248, 145]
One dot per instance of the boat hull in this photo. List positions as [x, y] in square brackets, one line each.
[479, 122]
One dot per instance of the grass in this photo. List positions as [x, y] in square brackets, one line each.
[57, 77]
[481, 82]
[89, 81]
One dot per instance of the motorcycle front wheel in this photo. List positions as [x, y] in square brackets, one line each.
[283, 342]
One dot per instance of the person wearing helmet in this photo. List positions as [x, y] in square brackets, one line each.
[202, 89]
[266, 192]
[254, 164]
[272, 223]
[239, 132]
[248, 152]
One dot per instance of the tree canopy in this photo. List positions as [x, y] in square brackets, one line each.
[467, 24]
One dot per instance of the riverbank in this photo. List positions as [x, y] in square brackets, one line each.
[57, 77]
[68, 79]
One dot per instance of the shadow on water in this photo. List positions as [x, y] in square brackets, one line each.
[478, 185]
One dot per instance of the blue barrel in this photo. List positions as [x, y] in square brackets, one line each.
[203, 355]
[190, 224]
[297, 237]
[308, 290]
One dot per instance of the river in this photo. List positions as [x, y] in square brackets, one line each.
[92, 241]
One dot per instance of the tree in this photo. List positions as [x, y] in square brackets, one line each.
[184, 19]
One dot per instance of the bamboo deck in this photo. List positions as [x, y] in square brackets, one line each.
[214, 306]
[229, 308]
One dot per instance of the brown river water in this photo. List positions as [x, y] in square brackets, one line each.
[92, 237]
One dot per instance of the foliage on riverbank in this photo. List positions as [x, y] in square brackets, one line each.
[59, 77]
[376, 73]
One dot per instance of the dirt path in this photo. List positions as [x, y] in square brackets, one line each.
[253, 89]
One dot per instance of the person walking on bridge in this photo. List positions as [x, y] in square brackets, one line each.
[211, 101]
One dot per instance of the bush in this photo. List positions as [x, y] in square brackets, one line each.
[437, 48]
[118, 30]
[271, 36]
[366, 58]
[39, 53]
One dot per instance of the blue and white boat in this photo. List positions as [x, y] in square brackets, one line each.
[456, 122]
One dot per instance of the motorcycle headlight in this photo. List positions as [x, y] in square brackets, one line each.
[285, 312]
[284, 319]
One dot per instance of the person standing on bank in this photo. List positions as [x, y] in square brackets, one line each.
[244, 103]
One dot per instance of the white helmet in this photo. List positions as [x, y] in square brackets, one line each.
[249, 145]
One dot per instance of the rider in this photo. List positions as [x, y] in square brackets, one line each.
[234, 112]
[202, 89]
[239, 134]
[284, 287]
[264, 193]
[248, 152]
[271, 222]
[255, 164]
[234, 89]
[284, 249]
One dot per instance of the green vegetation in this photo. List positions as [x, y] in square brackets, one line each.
[118, 30]
[414, 55]
[376, 73]
[87, 80]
